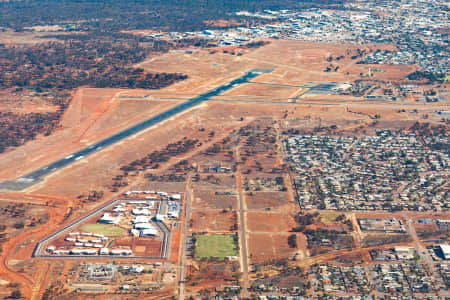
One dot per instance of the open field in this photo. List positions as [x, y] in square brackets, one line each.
[105, 229]
[270, 222]
[215, 246]
[268, 92]
[212, 221]
[328, 218]
[266, 247]
[260, 182]
[215, 182]
[10, 37]
[148, 247]
[24, 102]
[206, 274]
[271, 200]
[207, 198]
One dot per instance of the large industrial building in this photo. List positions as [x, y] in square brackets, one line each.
[445, 251]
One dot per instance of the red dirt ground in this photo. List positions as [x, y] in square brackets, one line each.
[270, 222]
[212, 221]
[273, 200]
[207, 198]
[265, 247]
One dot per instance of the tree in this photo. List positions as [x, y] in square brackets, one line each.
[16, 294]
[292, 241]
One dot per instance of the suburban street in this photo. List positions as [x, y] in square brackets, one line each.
[243, 235]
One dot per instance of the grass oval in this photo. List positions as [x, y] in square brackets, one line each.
[105, 229]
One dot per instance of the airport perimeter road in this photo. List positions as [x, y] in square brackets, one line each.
[33, 177]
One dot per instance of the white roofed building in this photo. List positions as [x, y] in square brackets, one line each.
[141, 211]
[140, 219]
[175, 197]
[149, 232]
[108, 219]
[445, 251]
[143, 226]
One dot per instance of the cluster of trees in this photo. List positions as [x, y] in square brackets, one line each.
[16, 294]
[152, 161]
[359, 53]
[257, 139]
[292, 241]
[3, 238]
[166, 177]
[119, 77]
[216, 148]
[287, 277]
[98, 62]
[182, 166]
[331, 68]
[371, 241]
[17, 129]
[427, 129]
[337, 239]
[227, 271]
[235, 226]
[427, 76]
[304, 220]
[117, 15]
[157, 45]
[92, 196]
[256, 44]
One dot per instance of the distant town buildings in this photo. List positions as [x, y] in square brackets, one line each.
[415, 28]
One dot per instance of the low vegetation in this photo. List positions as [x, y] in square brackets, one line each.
[18, 129]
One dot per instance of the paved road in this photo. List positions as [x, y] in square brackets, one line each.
[35, 176]
[184, 236]
[244, 253]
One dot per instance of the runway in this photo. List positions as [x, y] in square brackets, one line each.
[35, 176]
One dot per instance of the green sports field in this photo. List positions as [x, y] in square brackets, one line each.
[105, 229]
[215, 246]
